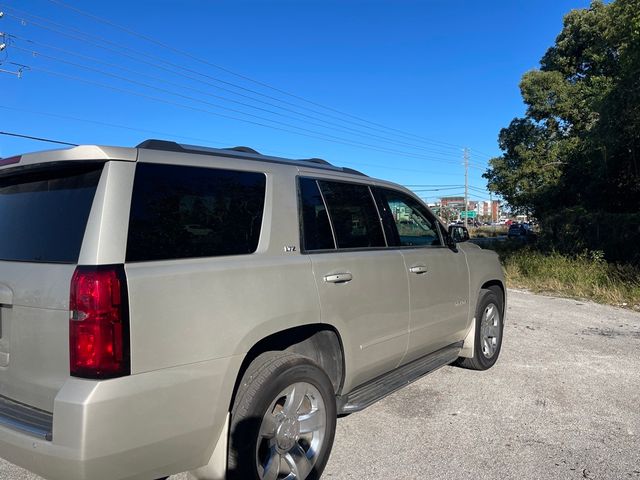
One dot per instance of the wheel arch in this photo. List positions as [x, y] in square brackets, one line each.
[499, 289]
[321, 343]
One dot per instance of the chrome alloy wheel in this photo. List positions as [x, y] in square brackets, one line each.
[291, 434]
[490, 330]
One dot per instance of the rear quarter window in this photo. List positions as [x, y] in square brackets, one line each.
[44, 211]
[188, 212]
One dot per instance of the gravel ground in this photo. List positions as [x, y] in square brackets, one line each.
[563, 402]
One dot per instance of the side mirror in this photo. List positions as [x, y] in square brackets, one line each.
[458, 233]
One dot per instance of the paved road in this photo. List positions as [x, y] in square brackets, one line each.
[563, 402]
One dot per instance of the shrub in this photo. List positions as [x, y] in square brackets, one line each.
[574, 230]
[583, 275]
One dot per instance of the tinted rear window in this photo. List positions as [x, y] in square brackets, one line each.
[43, 214]
[316, 229]
[188, 212]
[353, 213]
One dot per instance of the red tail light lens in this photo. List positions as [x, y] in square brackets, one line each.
[99, 324]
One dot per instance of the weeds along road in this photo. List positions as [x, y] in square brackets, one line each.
[563, 402]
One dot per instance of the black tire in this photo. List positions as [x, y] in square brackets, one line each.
[481, 359]
[269, 384]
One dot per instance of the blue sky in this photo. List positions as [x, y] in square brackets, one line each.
[432, 76]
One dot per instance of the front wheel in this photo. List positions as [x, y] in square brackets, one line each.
[283, 420]
[489, 329]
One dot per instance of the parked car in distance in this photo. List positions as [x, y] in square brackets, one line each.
[521, 231]
[171, 308]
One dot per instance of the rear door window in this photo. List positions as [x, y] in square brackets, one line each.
[188, 212]
[353, 213]
[44, 211]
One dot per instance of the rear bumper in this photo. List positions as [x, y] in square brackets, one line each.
[139, 427]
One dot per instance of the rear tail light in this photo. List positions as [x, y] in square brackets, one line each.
[99, 323]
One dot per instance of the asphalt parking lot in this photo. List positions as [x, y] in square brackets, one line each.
[563, 402]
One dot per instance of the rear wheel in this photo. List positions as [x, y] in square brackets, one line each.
[283, 420]
[489, 329]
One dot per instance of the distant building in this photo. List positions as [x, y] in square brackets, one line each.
[457, 203]
[489, 210]
[452, 202]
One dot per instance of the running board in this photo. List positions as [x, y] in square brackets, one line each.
[378, 388]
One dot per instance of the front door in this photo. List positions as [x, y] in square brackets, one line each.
[438, 276]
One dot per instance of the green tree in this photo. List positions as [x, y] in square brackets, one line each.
[572, 161]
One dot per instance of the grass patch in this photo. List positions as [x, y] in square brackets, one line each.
[587, 275]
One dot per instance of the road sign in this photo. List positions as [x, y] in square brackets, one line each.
[468, 214]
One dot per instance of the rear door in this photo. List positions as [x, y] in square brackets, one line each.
[438, 276]
[43, 216]
[362, 284]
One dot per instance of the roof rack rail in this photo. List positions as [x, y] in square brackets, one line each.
[354, 171]
[240, 152]
[153, 144]
[243, 150]
[319, 161]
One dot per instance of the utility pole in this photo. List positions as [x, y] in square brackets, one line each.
[466, 187]
[493, 222]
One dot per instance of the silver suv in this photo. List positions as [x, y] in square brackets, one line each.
[171, 308]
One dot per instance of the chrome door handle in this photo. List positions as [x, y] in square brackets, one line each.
[338, 278]
[6, 300]
[419, 269]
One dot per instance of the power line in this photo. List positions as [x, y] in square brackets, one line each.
[339, 139]
[206, 141]
[303, 131]
[436, 189]
[168, 102]
[57, 59]
[39, 139]
[146, 55]
[119, 51]
[486, 155]
[179, 72]
[447, 185]
[180, 69]
[432, 185]
[226, 70]
[166, 135]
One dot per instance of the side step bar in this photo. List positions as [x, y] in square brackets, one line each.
[378, 388]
